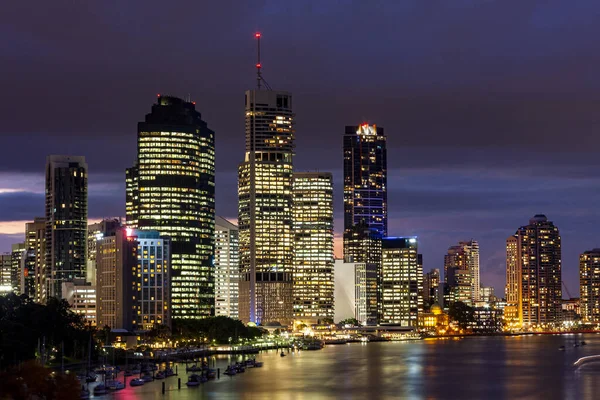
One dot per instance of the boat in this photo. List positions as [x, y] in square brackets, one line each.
[169, 372]
[136, 371]
[230, 371]
[561, 348]
[160, 375]
[115, 385]
[211, 374]
[282, 354]
[193, 368]
[147, 377]
[258, 364]
[194, 380]
[91, 377]
[137, 382]
[100, 390]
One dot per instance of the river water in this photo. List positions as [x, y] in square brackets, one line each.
[519, 367]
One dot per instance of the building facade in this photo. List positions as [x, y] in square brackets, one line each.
[66, 222]
[81, 296]
[401, 282]
[431, 288]
[365, 177]
[171, 189]
[362, 245]
[33, 277]
[5, 273]
[19, 260]
[265, 209]
[133, 280]
[461, 273]
[313, 254]
[96, 231]
[589, 286]
[227, 268]
[534, 258]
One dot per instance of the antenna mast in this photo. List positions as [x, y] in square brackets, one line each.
[259, 78]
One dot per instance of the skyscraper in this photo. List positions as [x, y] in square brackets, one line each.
[227, 268]
[589, 286]
[33, 275]
[265, 209]
[313, 255]
[171, 189]
[5, 273]
[534, 277]
[362, 246]
[401, 282]
[431, 288]
[461, 273]
[66, 221]
[19, 260]
[365, 177]
[96, 231]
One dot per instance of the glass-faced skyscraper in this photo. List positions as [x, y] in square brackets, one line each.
[171, 189]
[227, 268]
[66, 222]
[313, 247]
[265, 209]
[365, 177]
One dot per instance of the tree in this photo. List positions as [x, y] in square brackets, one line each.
[350, 321]
[462, 314]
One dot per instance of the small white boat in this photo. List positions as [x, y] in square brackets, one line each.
[100, 390]
[137, 382]
[193, 368]
[147, 377]
[194, 380]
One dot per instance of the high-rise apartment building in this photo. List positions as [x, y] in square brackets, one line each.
[66, 221]
[313, 255]
[19, 260]
[533, 271]
[362, 245]
[365, 177]
[171, 189]
[431, 288]
[589, 286]
[96, 231]
[227, 268]
[461, 273]
[265, 209]
[81, 296]
[133, 280]
[34, 279]
[401, 282]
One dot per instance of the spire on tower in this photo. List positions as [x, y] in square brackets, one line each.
[259, 78]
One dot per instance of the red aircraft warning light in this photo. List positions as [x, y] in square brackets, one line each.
[257, 35]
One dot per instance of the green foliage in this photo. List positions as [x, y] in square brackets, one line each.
[32, 381]
[462, 314]
[25, 324]
[327, 321]
[218, 329]
[350, 321]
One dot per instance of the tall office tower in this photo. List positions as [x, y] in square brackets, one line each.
[171, 189]
[33, 274]
[227, 268]
[365, 178]
[313, 244]
[5, 273]
[431, 288]
[362, 245]
[17, 273]
[401, 282]
[265, 209]
[461, 273]
[96, 231]
[66, 221]
[534, 256]
[513, 311]
[589, 286]
[133, 280]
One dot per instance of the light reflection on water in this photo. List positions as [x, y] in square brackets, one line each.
[527, 367]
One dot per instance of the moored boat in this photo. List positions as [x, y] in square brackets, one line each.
[100, 390]
[159, 375]
[193, 368]
[147, 377]
[194, 380]
[137, 382]
[115, 385]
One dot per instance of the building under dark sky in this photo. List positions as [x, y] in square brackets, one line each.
[171, 189]
[365, 177]
[66, 221]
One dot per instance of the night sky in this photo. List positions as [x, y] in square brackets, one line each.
[491, 108]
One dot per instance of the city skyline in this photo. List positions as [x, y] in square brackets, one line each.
[485, 195]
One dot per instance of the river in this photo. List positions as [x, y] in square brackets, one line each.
[518, 367]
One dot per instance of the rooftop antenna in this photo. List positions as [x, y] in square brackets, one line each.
[259, 77]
